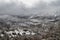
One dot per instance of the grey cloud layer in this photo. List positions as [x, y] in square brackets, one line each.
[41, 8]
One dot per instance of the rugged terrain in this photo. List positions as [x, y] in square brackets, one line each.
[14, 27]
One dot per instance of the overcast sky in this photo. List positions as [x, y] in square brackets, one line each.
[29, 7]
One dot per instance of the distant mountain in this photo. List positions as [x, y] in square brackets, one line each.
[15, 20]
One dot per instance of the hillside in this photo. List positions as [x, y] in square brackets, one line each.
[14, 27]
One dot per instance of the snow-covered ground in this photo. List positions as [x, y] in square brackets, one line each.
[19, 31]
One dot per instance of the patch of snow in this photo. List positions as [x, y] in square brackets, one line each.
[16, 31]
[35, 20]
[33, 33]
[27, 33]
[2, 35]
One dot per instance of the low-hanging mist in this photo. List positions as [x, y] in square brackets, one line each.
[41, 7]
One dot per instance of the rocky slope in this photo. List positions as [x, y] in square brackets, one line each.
[43, 27]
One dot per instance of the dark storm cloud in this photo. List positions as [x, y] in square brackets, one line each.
[41, 8]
